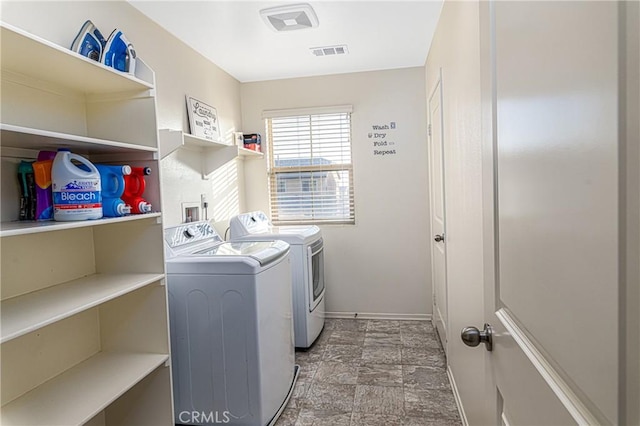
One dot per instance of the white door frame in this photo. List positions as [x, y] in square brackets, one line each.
[438, 91]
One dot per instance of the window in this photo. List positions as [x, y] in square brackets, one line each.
[310, 169]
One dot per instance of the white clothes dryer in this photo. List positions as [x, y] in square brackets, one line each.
[230, 313]
[307, 268]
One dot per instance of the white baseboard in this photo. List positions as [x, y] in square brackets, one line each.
[372, 315]
[456, 395]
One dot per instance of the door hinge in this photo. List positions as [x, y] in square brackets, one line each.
[429, 129]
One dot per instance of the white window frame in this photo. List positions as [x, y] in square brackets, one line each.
[277, 215]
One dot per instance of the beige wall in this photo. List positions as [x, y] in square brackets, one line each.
[179, 70]
[631, 12]
[380, 265]
[456, 50]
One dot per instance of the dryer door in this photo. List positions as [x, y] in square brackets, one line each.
[315, 255]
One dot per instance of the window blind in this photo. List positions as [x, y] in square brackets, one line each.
[310, 168]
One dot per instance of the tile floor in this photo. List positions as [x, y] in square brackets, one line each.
[372, 373]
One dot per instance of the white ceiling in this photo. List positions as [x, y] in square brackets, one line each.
[379, 35]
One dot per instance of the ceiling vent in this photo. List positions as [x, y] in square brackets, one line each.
[330, 50]
[290, 17]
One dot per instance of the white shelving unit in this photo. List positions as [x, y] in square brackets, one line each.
[215, 154]
[83, 305]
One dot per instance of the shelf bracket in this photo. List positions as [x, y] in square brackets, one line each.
[213, 160]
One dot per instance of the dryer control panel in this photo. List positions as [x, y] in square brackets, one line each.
[250, 223]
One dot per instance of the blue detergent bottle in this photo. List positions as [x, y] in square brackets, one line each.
[113, 185]
[114, 207]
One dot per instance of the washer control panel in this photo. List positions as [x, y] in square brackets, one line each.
[190, 234]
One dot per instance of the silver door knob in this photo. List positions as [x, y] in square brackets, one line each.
[438, 238]
[471, 336]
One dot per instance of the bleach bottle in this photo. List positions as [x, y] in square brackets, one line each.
[76, 189]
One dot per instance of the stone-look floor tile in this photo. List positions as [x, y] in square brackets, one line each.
[337, 372]
[419, 340]
[432, 404]
[307, 357]
[346, 337]
[423, 356]
[343, 353]
[330, 323]
[381, 355]
[323, 418]
[295, 403]
[288, 417]
[383, 326]
[323, 338]
[382, 339]
[421, 421]
[397, 382]
[380, 375]
[318, 346]
[308, 362]
[379, 400]
[330, 397]
[308, 370]
[346, 324]
[366, 419]
[419, 377]
[300, 389]
[422, 327]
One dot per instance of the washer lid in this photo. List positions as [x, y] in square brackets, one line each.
[262, 251]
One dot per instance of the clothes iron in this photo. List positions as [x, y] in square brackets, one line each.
[119, 53]
[89, 42]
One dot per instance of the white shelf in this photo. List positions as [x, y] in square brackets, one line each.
[249, 154]
[10, 229]
[27, 54]
[24, 314]
[37, 140]
[214, 154]
[78, 394]
[202, 142]
[170, 140]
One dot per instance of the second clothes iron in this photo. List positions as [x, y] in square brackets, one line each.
[119, 53]
[116, 52]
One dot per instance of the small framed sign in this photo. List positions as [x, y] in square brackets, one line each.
[203, 120]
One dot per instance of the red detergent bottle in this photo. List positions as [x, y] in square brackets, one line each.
[134, 185]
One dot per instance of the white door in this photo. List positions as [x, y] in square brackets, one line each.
[438, 249]
[551, 204]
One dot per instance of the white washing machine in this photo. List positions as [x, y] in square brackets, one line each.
[230, 312]
[307, 267]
